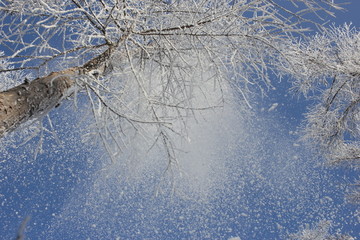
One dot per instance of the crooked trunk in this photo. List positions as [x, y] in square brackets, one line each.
[32, 99]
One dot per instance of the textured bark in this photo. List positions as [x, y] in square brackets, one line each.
[33, 99]
[38, 97]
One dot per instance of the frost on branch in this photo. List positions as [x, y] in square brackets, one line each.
[320, 232]
[327, 68]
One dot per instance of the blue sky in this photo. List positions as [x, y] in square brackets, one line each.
[245, 175]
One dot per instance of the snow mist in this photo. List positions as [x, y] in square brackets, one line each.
[239, 174]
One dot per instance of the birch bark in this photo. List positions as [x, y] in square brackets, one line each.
[32, 99]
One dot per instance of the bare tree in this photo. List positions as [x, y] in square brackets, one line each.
[140, 62]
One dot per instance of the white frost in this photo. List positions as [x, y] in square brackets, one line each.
[273, 106]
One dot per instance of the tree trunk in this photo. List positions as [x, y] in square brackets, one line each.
[34, 99]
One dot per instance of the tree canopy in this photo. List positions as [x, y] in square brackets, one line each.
[142, 63]
[144, 68]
